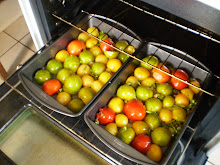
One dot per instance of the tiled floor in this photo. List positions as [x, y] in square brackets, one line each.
[16, 45]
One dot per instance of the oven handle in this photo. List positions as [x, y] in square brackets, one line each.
[181, 157]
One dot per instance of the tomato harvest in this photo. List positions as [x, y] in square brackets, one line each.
[105, 116]
[51, 87]
[177, 84]
[135, 110]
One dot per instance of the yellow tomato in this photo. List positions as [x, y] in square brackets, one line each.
[95, 50]
[101, 58]
[179, 114]
[96, 85]
[148, 81]
[114, 64]
[91, 42]
[133, 81]
[181, 99]
[63, 98]
[166, 115]
[87, 80]
[83, 37]
[104, 77]
[121, 120]
[116, 104]
[83, 70]
[196, 83]
[94, 31]
[188, 93]
[112, 128]
[154, 153]
[141, 73]
[62, 55]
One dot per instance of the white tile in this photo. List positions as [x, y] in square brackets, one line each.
[6, 42]
[17, 55]
[27, 41]
[9, 12]
[18, 29]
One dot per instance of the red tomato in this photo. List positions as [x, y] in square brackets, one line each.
[104, 46]
[135, 110]
[105, 116]
[141, 143]
[51, 87]
[159, 76]
[177, 84]
[75, 47]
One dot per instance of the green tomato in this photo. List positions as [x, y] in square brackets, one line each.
[54, 66]
[161, 136]
[126, 134]
[98, 68]
[72, 84]
[76, 105]
[153, 105]
[86, 57]
[126, 92]
[165, 89]
[123, 57]
[153, 120]
[122, 45]
[41, 76]
[111, 54]
[168, 101]
[72, 63]
[63, 74]
[86, 94]
[143, 93]
[153, 60]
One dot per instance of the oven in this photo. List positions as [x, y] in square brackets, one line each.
[177, 28]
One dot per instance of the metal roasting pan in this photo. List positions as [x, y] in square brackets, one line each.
[26, 74]
[164, 53]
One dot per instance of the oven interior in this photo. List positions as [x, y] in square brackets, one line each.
[152, 25]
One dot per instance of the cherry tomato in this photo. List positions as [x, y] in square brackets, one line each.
[135, 110]
[75, 47]
[104, 46]
[141, 143]
[51, 86]
[159, 76]
[105, 116]
[177, 84]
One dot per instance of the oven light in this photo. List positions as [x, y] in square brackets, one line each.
[212, 3]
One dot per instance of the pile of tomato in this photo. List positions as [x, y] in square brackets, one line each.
[78, 72]
[150, 108]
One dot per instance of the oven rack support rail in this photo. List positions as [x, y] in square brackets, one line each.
[130, 55]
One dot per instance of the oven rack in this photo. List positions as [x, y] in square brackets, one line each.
[80, 28]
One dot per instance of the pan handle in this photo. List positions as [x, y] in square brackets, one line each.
[180, 159]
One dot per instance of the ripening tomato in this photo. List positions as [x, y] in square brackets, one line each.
[159, 76]
[104, 46]
[177, 84]
[141, 143]
[51, 86]
[135, 110]
[75, 47]
[105, 116]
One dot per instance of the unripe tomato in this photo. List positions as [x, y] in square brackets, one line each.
[177, 84]
[141, 143]
[140, 127]
[141, 73]
[75, 47]
[112, 128]
[155, 153]
[166, 115]
[126, 134]
[135, 110]
[196, 83]
[133, 81]
[165, 89]
[116, 104]
[168, 101]
[179, 114]
[51, 86]
[126, 92]
[121, 120]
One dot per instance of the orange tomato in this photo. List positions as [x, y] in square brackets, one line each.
[51, 87]
[159, 76]
[75, 47]
[154, 153]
